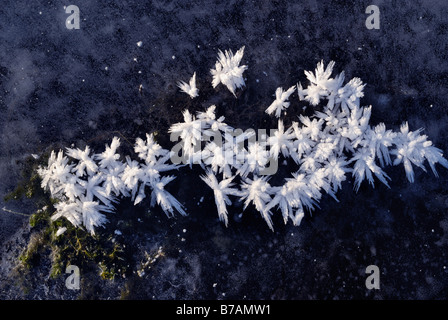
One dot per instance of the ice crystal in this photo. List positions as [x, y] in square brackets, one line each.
[221, 189]
[190, 87]
[258, 191]
[228, 71]
[280, 102]
[281, 141]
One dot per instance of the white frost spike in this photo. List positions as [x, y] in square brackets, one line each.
[407, 150]
[190, 131]
[336, 170]
[57, 173]
[60, 231]
[294, 194]
[256, 159]
[413, 148]
[209, 120]
[379, 140]
[216, 156]
[164, 198]
[281, 141]
[434, 155]
[69, 210]
[302, 143]
[257, 191]
[228, 71]
[132, 173]
[91, 215]
[189, 88]
[297, 218]
[349, 95]
[313, 128]
[333, 86]
[357, 125]
[148, 150]
[301, 92]
[113, 182]
[72, 188]
[365, 166]
[280, 102]
[320, 83]
[221, 191]
[94, 188]
[282, 199]
[85, 164]
[109, 157]
[87, 212]
[208, 115]
[321, 76]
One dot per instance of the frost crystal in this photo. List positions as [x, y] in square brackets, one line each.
[60, 231]
[280, 102]
[221, 190]
[257, 191]
[189, 88]
[413, 148]
[228, 71]
[281, 142]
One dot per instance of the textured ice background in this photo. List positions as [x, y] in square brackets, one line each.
[59, 87]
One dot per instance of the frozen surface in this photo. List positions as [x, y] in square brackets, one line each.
[118, 74]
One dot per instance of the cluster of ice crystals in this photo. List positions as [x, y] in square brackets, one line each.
[336, 141]
[88, 185]
[325, 148]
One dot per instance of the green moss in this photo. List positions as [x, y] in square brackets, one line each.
[41, 217]
[106, 272]
[16, 194]
[29, 186]
[56, 270]
[31, 254]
